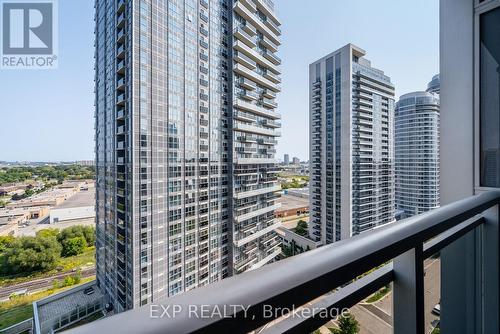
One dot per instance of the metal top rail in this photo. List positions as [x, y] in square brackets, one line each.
[300, 279]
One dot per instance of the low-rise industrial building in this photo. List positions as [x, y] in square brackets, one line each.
[12, 218]
[292, 206]
[8, 189]
[9, 226]
[79, 206]
[35, 212]
[52, 197]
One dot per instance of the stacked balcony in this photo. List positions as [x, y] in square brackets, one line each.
[254, 121]
[120, 6]
[268, 102]
[244, 116]
[242, 34]
[272, 57]
[246, 83]
[247, 94]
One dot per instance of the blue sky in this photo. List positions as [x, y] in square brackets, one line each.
[48, 115]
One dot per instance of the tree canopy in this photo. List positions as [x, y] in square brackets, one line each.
[86, 232]
[42, 252]
[347, 325]
[301, 228]
[28, 254]
[73, 246]
[62, 172]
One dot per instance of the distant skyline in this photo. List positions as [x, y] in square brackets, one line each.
[49, 115]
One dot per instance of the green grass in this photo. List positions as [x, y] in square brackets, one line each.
[20, 308]
[81, 260]
[64, 264]
[14, 315]
[436, 331]
[378, 295]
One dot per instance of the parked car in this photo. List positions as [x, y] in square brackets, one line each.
[437, 310]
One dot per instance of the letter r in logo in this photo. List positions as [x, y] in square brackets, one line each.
[27, 28]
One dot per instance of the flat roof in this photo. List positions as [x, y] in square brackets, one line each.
[49, 195]
[79, 199]
[7, 221]
[289, 202]
[56, 305]
[304, 191]
[11, 212]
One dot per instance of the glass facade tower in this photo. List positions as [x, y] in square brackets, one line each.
[417, 152]
[351, 150]
[181, 87]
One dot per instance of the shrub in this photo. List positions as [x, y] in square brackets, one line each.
[6, 242]
[48, 232]
[73, 246]
[86, 232]
[347, 325]
[301, 228]
[28, 254]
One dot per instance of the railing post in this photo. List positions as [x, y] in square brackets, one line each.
[408, 295]
[489, 264]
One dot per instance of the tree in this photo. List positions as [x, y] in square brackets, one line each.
[48, 232]
[6, 242]
[28, 193]
[73, 246]
[69, 281]
[28, 254]
[301, 228]
[347, 325]
[87, 232]
[286, 250]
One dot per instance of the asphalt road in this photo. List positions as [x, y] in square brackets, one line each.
[369, 322]
[41, 283]
[432, 293]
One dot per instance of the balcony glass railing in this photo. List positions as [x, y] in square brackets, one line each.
[310, 276]
[244, 115]
[204, 17]
[120, 36]
[268, 102]
[239, 56]
[120, 51]
[328, 277]
[246, 94]
[272, 57]
[241, 33]
[120, 6]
